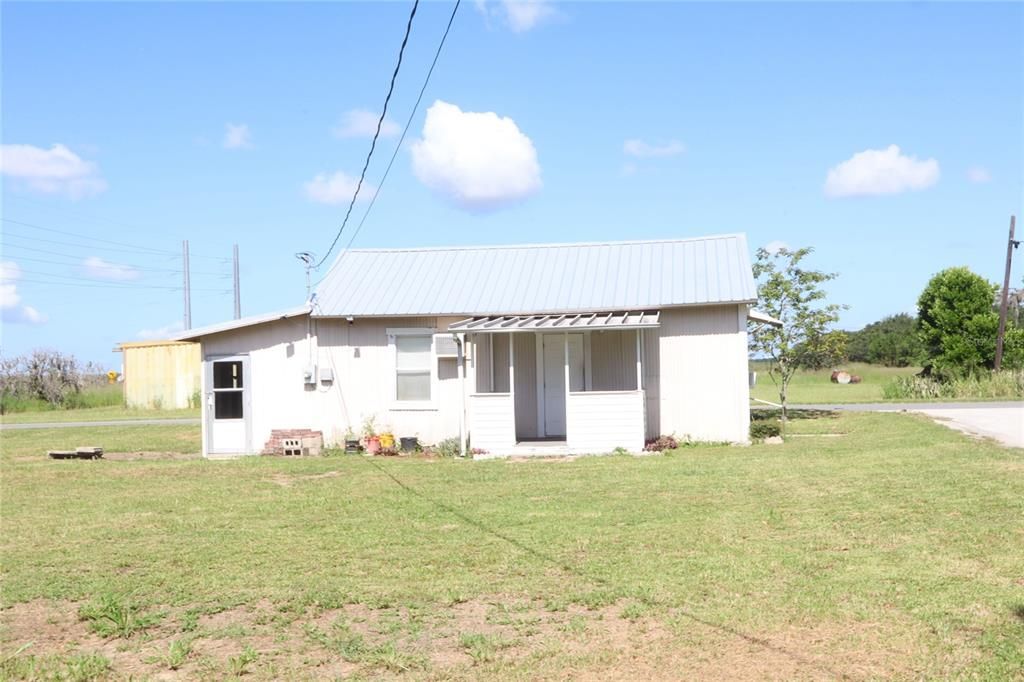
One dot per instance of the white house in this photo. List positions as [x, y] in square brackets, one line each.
[561, 348]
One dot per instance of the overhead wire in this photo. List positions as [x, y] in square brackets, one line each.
[376, 134]
[131, 248]
[78, 262]
[401, 139]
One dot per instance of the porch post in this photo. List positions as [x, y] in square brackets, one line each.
[639, 362]
[565, 368]
[511, 365]
[460, 341]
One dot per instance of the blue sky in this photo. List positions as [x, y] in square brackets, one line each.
[145, 124]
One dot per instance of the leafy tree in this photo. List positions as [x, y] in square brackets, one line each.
[892, 341]
[957, 324]
[792, 294]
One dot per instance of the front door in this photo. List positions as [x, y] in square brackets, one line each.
[553, 375]
[227, 404]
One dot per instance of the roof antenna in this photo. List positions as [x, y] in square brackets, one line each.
[308, 259]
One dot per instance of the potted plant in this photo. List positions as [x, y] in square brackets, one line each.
[370, 437]
[387, 439]
[409, 443]
[351, 441]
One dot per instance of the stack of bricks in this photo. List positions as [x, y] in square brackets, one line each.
[311, 441]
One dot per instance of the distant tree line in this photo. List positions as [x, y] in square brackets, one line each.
[45, 376]
[953, 334]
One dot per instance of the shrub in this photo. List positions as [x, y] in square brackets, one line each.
[661, 444]
[1004, 384]
[760, 430]
[449, 447]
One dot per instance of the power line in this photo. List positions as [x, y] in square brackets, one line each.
[124, 287]
[78, 262]
[131, 248]
[408, 123]
[86, 236]
[373, 143]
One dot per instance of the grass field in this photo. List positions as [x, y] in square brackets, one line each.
[816, 387]
[95, 414]
[868, 546]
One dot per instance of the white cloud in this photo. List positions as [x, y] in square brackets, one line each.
[161, 332]
[978, 174]
[56, 170]
[773, 247]
[11, 310]
[237, 136]
[876, 172]
[97, 268]
[519, 15]
[643, 150]
[336, 188]
[478, 160]
[629, 169]
[363, 123]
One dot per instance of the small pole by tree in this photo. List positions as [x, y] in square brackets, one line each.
[794, 295]
[1001, 333]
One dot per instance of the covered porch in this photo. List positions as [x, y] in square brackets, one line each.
[560, 384]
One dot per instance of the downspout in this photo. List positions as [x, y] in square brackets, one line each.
[459, 342]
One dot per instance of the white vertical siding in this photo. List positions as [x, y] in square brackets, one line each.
[363, 385]
[491, 422]
[601, 421]
[703, 373]
[526, 384]
[613, 360]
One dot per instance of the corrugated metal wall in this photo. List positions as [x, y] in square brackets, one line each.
[703, 373]
[526, 385]
[161, 375]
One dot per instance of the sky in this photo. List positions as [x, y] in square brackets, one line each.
[890, 137]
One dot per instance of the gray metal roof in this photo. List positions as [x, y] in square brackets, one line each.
[543, 278]
[197, 332]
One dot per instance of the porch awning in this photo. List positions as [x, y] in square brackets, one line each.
[566, 322]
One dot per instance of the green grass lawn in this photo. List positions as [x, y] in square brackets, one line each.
[867, 546]
[810, 387]
[95, 414]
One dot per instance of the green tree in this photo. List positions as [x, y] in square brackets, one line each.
[957, 324]
[892, 341]
[794, 295]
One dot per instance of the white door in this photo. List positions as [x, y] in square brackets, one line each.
[553, 378]
[227, 404]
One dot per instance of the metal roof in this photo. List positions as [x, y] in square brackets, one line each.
[196, 332]
[536, 279]
[567, 322]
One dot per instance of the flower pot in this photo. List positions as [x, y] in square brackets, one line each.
[352, 445]
[373, 445]
[387, 441]
[409, 444]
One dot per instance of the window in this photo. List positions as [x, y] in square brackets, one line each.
[413, 367]
[227, 389]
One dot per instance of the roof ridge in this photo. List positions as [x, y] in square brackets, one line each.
[488, 247]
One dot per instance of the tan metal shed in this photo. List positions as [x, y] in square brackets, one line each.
[161, 374]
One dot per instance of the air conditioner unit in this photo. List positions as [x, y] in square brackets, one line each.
[309, 375]
[445, 346]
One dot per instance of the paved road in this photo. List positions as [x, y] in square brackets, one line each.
[113, 422]
[1003, 421]
[911, 407]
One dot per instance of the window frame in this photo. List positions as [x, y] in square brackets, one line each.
[395, 403]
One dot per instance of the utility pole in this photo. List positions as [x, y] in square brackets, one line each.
[188, 287]
[238, 292]
[1010, 246]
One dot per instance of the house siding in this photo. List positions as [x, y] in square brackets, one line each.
[703, 373]
[363, 367]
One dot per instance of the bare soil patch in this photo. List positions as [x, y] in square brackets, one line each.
[468, 640]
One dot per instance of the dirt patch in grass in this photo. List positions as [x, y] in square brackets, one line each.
[287, 480]
[148, 456]
[467, 640]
